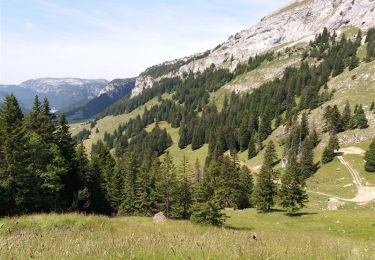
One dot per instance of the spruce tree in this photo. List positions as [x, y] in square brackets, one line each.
[359, 119]
[265, 189]
[83, 170]
[16, 181]
[346, 115]
[252, 151]
[354, 62]
[246, 188]
[184, 191]
[292, 192]
[370, 158]
[206, 208]
[307, 158]
[145, 192]
[329, 150]
[131, 172]
[197, 178]
[71, 181]
[166, 185]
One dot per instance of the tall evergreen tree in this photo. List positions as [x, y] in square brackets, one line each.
[166, 185]
[16, 181]
[131, 172]
[370, 158]
[184, 191]
[252, 151]
[83, 170]
[307, 158]
[265, 189]
[246, 188]
[197, 178]
[346, 115]
[71, 181]
[292, 192]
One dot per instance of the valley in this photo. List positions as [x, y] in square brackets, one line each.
[261, 148]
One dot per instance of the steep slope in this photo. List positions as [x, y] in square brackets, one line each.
[299, 21]
[60, 92]
[114, 91]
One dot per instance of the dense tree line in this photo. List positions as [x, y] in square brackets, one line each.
[370, 40]
[42, 170]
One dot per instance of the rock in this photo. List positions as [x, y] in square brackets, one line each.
[334, 204]
[159, 217]
[297, 22]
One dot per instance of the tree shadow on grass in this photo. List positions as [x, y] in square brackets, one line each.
[301, 214]
[238, 228]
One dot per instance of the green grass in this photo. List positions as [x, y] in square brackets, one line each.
[358, 163]
[347, 234]
[332, 178]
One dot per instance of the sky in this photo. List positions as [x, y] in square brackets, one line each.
[114, 38]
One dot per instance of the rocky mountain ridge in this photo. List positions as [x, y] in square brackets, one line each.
[61, 92]
[299, 21]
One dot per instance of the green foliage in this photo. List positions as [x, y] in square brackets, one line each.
[329, 150]
[370, 40]
[265, 189]
[292, 191]
[359, 119]
[370, 158]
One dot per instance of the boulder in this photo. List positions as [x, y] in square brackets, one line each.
[159, 217]
[334, 204]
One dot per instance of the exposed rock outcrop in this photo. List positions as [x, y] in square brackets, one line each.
[299, 21]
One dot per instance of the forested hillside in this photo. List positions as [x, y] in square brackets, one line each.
[43, 169]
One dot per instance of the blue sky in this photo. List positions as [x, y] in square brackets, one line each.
[112, 38]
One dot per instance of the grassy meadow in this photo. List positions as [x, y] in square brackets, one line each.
[316, 234]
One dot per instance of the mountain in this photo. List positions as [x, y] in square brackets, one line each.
[298, 22]
[115, 90]
[61, 92]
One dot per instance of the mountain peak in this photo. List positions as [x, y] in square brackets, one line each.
[299, 21]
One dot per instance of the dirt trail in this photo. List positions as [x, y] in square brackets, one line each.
[365, 194]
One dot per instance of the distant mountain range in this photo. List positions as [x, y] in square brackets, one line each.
[61, 92]
[114, 91]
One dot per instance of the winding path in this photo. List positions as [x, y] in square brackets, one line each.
[365, 194]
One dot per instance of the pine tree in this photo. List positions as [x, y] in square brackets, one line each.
[292, 192]
[304, 127]
[346, 115]
[252, 151]
[184, 137]
[198, 138]
[329, 150]
[197, 178]
[206, 211]
[359, 119]
[71, 181]
[166, 185]
[96, 186]
[51, 180]
[131, 172]
[370, 158]
[307, 158]
[354, 62]
[83, 170]
[265, 188]
[184, 191]
[16, 181]
[246, 188]
[206, 208]
[145, 191]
